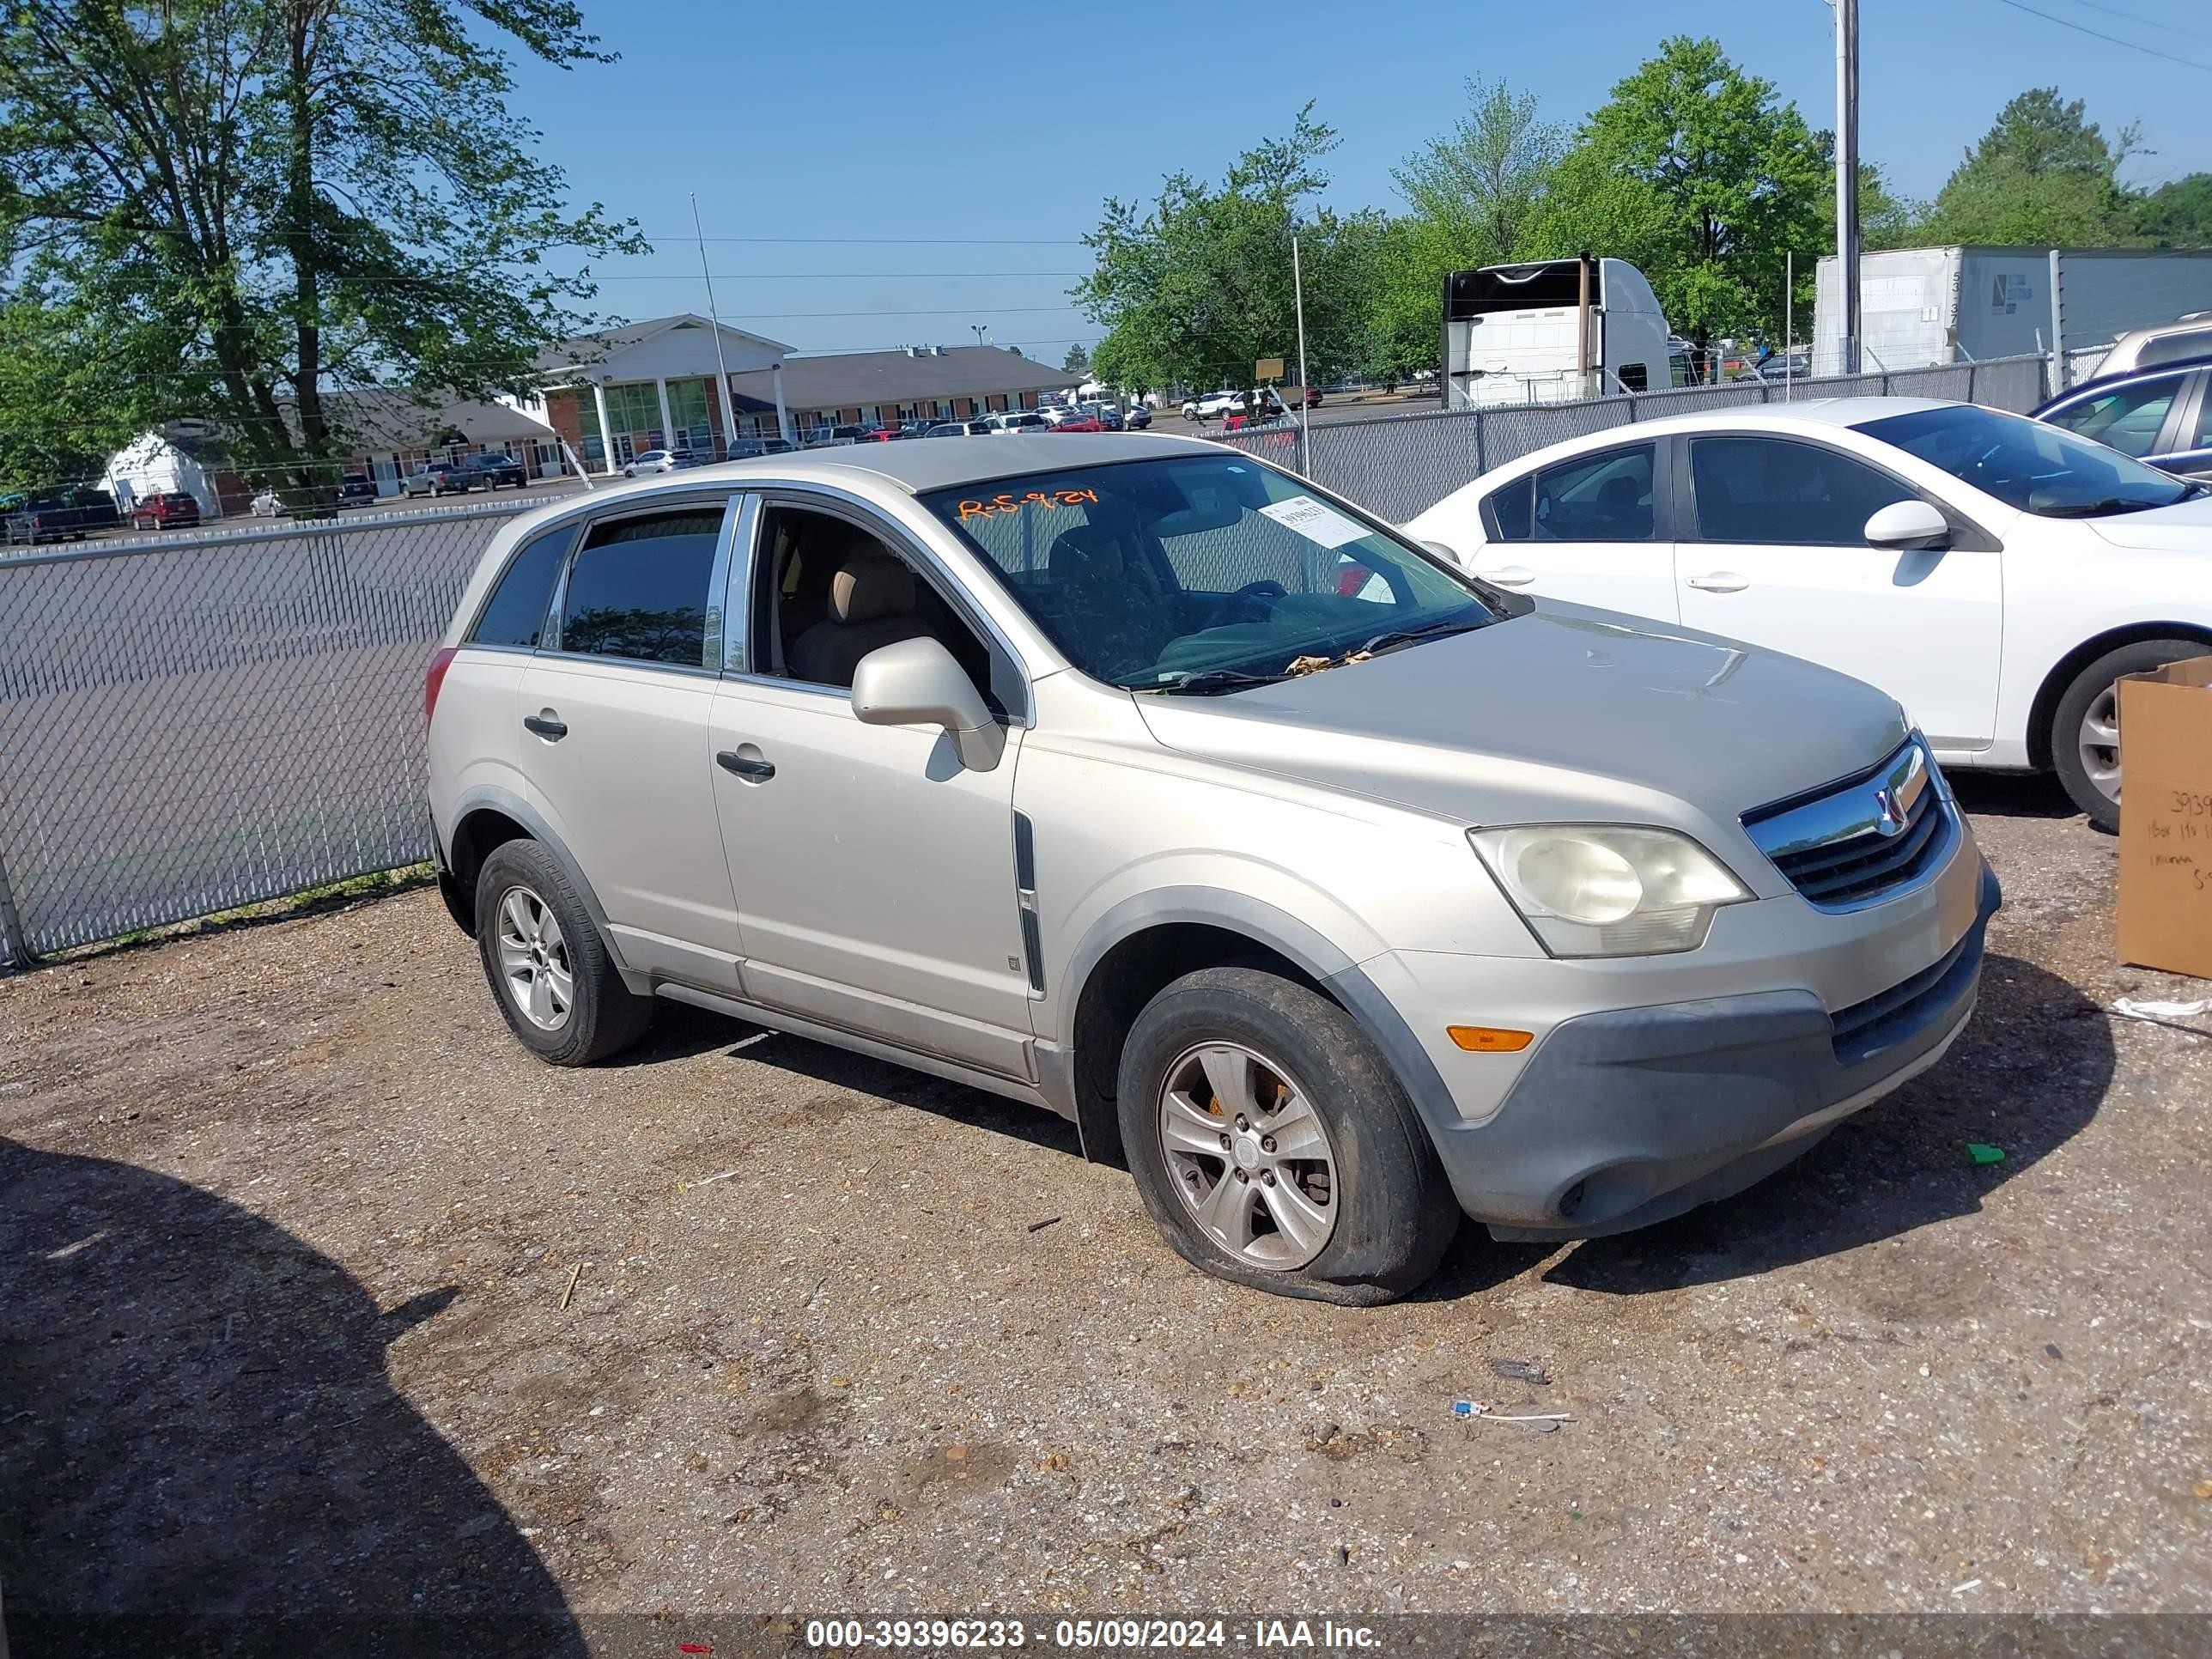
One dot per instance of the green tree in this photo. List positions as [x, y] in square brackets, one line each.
[1198, 288]
[1471, 196]
[1701, 176]
[2177, 214]
[297, 197]
[1077, 361]
[2042, 175]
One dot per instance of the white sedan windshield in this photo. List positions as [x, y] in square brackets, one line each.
[2026, 464]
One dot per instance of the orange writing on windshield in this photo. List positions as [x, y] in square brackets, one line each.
[1045, 498]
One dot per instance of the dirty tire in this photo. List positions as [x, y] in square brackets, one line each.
[604, 1016]
[1395, 1214]
[2066, 721]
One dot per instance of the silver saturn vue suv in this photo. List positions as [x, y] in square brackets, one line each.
[1332, 892]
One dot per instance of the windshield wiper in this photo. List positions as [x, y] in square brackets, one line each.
[1214, 682]
[1396, 637]
[2111, 504]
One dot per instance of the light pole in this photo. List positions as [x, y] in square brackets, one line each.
[980, 330]
[1847, 182]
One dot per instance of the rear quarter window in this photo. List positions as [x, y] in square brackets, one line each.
[515, 614]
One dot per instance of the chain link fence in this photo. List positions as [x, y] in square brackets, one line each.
[205, 722]
[202, 722]
[1402, 464]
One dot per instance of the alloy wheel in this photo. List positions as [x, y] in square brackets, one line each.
[1248, 1156]
[2099, 742]
[534, 960]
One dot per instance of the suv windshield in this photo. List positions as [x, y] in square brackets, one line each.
[2026, 464]
[1194, 574]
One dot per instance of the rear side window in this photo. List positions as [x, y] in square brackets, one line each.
[1770, 489]
[1507, 510]
[515, 613]
[638, 590]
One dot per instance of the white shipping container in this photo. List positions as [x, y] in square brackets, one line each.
[1919, 307]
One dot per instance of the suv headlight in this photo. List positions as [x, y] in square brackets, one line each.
[1602, 889]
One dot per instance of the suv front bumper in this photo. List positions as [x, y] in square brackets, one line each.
[1623, 1117]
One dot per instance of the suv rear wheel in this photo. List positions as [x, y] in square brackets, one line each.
[548, 966]
[2085, 727]
[1271, 1144]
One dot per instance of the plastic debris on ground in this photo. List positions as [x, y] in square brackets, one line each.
[2145, 1008]
[1521, 1370]
[1980, 1152]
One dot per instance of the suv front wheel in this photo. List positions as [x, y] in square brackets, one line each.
[548, 966]
[1273, 1146]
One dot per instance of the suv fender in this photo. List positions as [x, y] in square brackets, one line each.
[506, 804]
[1269, 929]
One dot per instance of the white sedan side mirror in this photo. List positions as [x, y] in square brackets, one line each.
[1904, 525]
[1448, 554]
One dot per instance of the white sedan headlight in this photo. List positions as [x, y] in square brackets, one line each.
[1602, 889]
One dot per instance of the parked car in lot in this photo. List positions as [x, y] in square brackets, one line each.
[1214, 405]
[2160, 416]
[1081, 420]
[1997, 574]
[1014, 421]
[658, 461]
[486, 471]
[170, 509]
[2189, 335]
[355, 488]
[959, 429]
[1337, 893]
[1137, 418]
[68, 513]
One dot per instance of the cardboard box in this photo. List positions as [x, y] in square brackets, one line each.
[2165, 819]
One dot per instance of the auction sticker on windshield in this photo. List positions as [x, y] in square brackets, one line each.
[1315, 521]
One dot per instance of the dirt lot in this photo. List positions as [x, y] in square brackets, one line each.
[292, 1328]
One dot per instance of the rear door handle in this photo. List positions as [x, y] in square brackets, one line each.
[1509, 575]
[730, 761]
[548, 725]
[1720, 581]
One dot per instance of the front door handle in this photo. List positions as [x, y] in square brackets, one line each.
[1720, 581]
[745, 767]
[1509, 575]
[548, 725]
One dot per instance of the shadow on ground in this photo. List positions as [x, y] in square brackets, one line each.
[682, 1032]
[2012, 794]
[202, 1452]
[2028, 1075]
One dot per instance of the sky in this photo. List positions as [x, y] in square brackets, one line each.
[857, 160]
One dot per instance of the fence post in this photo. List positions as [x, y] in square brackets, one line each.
[1481, 446]
[11, 925]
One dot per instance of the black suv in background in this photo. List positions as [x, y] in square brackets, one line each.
[486, 471]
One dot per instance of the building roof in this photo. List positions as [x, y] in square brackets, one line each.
[384, 417]
[857, 380]
[580, 351]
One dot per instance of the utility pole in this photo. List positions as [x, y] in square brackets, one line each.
[1847, 181]
[1305, 395]
[721, 368]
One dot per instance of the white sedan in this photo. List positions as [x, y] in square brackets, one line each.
[1995, 575]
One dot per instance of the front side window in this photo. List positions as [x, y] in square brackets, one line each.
[2029, 465]
[1194, 573]
[638, 589]
[1785, 493]
[2127, 417]
[515, 613]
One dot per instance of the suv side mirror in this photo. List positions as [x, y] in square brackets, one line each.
[916, 683]
[1904, 525]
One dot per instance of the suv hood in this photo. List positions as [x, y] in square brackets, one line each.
[2185, 527]
[1566, 711]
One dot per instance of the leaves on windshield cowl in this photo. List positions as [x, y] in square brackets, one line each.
[1310, 665]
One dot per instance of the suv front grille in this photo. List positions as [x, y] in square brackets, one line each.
[1856, 842]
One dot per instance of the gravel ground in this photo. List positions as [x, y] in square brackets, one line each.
[320, 1299]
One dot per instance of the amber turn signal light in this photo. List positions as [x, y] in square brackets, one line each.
[1488, 1039]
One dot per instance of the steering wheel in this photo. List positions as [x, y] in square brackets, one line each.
[1247, 600]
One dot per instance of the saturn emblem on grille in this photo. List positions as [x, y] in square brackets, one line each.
[1889, 818]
